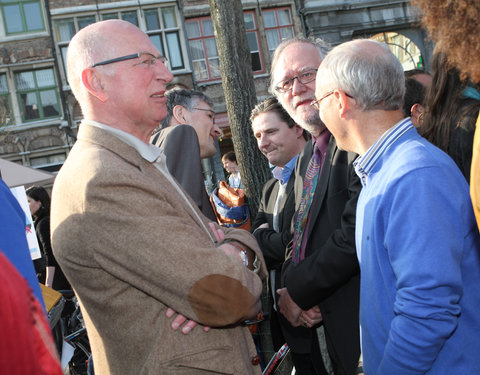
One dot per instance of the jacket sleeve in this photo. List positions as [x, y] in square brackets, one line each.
[182, 152]
[43, 234]
[271, 242]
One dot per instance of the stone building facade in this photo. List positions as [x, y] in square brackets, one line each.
[38, 114]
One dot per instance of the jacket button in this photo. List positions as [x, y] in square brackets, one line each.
[256, 360]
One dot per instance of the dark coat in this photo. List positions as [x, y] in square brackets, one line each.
[42, 229]
[329, 276]
[182, 150]
[274, 244]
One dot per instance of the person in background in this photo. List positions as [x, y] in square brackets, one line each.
[417, 81]
[448, 22]
[229, 161]
[39, 202]
[187, 136]
[416, 236]
[321, 276]
[280, 140]
[452, 107]
[420, 76]
[413, 105]
[132, 243]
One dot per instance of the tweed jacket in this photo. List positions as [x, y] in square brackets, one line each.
[131, 246]
[329, 276]
[180, 146]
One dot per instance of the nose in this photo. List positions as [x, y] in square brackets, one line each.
[217, 131]
[298, 87]
[162, 73]
[262, 141]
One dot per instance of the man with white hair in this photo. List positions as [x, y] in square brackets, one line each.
[416, 236]
[127, 236]
[321, 278]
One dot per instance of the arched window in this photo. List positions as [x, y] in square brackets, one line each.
[404, 48]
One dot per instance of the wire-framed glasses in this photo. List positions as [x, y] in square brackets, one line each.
[206, 110]
[316, 103]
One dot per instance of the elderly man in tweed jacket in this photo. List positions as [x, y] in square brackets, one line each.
[130, 240]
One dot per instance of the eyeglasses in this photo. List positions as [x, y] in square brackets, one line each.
[145, 58]
[206, 110]
[316, 103]
[305, 77]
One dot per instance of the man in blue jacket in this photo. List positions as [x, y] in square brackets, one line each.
[416, 236]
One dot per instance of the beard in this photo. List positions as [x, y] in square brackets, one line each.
[308, 118]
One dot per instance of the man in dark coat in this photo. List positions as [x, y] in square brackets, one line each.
[187, 137]
[321, 279]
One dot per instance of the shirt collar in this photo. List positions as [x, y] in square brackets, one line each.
[365, 164]
[283, 174]
[147, 151]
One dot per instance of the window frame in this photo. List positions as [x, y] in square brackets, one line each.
[278, 27]
[257, 38]
[166, 30]
[8, 96]
[37, 90]
[24, 32]
[62, 45]
[206, 58]
[202, 37]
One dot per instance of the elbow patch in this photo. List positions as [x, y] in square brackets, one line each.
[219, 300]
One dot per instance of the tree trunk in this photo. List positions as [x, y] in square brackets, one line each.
[240, 96]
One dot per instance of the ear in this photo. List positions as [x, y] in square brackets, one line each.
[298, 131]
[418, 111]
[93, 83]
[179, 113]
[342, 103]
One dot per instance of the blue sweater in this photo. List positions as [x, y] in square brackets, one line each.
[419, 253]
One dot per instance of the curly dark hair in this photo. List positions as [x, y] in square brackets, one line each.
[454, 25]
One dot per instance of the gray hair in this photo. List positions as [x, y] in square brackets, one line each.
[322, 46]
[188, 99]
[374, 80]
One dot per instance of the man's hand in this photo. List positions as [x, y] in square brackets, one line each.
[180, 319]
[218, 233]
[294, 314]
[311, 317]
[289, 308]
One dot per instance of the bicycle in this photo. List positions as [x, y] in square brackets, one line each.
[70, 334]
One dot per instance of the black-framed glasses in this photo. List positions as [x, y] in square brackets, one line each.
[316, 103]
[305, 77]
[206, 110]
[143, 58]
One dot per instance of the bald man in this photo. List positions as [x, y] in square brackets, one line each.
[130, 240]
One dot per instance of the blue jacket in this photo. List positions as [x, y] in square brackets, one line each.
[419, 252]
[13, 240]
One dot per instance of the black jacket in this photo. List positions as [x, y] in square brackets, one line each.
[329, 276]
